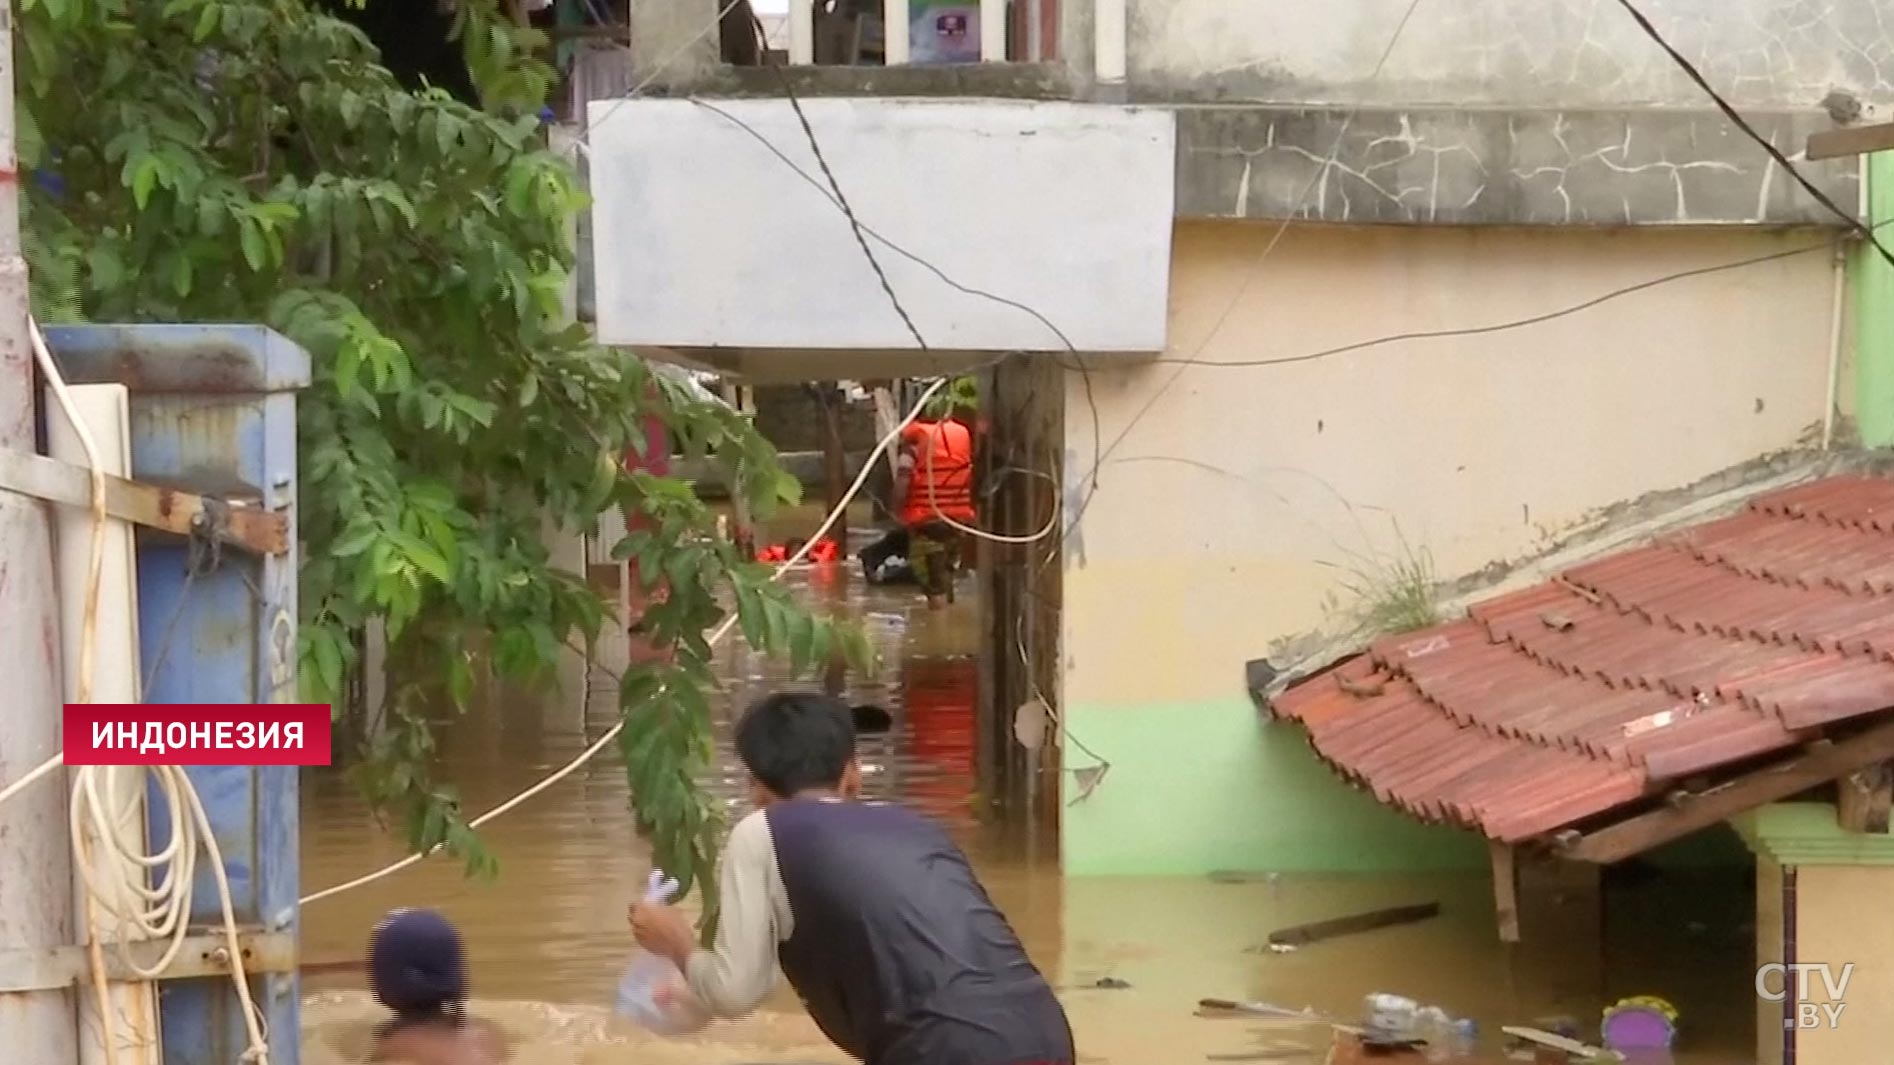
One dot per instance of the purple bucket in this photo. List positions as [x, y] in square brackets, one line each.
[1638, 1028]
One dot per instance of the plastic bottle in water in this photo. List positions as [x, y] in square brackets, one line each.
[1466, 1037]
[652, 993]
[1447, 1039]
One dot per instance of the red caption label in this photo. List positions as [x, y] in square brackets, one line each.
[197, 734]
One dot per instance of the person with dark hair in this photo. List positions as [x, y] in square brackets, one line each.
[417, 968]
[874, 915]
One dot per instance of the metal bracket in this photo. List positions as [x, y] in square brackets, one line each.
[203, 955]
[245, 525]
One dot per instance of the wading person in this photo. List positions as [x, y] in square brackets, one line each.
[934, 481]
[874, 915]
[417, 968]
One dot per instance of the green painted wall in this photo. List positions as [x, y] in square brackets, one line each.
[1873, 297]
[1201, 786]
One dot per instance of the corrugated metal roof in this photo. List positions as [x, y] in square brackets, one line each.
[1555, 704]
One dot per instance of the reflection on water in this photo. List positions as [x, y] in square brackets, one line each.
[548, 938]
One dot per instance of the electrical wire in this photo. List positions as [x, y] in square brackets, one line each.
[88, 653]
[716, 636]
[95, 565]
[657, 71]
[1501, 327]
[38, 772]
[100, 798]
[1249, 276]
[1077, 360]
[1856, 225]
[861, 231]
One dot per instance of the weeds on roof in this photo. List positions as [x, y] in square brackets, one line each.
[1397, 593]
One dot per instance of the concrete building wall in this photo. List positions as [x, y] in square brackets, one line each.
[1571, 54]
[714, 225]
[1236, 507]
[1495, 112]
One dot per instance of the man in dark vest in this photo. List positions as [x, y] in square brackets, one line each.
[873, 913]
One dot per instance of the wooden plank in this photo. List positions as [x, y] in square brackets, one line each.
[1553, 1041]
[1820, 762]
[1299, 935]
[1505, 890]
[1855, 140]
[1864, 797]
[165, 509]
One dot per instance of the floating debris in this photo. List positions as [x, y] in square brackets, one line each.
[1641, 1023]
[1231, 876]
[1304, 934]
[1219, 1007]
[1572, 1049]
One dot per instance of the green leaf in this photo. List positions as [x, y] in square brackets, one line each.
[254, 251]
[777, 622]
[750, 616]
[801, 643]
[144, 178]
[107, 270]
[447, 132]
[355, 542]
[424, 253]
[681, 569]
[788, 488]
[423, 556]
[348, 366]
[328, 662]
[821, 643]
[604, 479]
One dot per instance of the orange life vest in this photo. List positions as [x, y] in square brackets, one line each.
[825, 550]
[942, 479]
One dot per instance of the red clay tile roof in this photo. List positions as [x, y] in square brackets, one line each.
[1555, 704]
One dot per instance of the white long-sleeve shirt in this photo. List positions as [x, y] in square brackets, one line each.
[734, 977]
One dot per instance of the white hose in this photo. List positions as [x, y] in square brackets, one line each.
[716, 636]
[106, 796]
[150, 897]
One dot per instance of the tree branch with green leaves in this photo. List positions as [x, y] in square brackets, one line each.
[251, 160]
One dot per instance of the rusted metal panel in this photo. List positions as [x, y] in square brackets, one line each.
[213, 411]
[1558, 704]
[209, 359]
[201, 956]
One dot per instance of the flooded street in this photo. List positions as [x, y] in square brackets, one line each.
[548, 938]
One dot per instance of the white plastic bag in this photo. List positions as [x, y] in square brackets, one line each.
[653, 994]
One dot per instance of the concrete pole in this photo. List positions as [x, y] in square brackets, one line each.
[835, 461]
[1873, 299]
[36, 890]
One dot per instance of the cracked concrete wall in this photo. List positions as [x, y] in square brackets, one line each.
[1507, 167]
[1495, 112]
[1560, 54]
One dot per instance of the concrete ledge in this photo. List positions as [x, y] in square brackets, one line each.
[1807, 833]
[1455, 166]
[1021, 81]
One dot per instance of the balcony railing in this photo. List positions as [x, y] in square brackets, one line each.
[926, 32]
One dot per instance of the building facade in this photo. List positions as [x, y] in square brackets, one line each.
[1535, 281]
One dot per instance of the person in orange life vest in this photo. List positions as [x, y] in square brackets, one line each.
[934, 482]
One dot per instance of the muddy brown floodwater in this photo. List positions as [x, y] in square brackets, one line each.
[548, 938]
